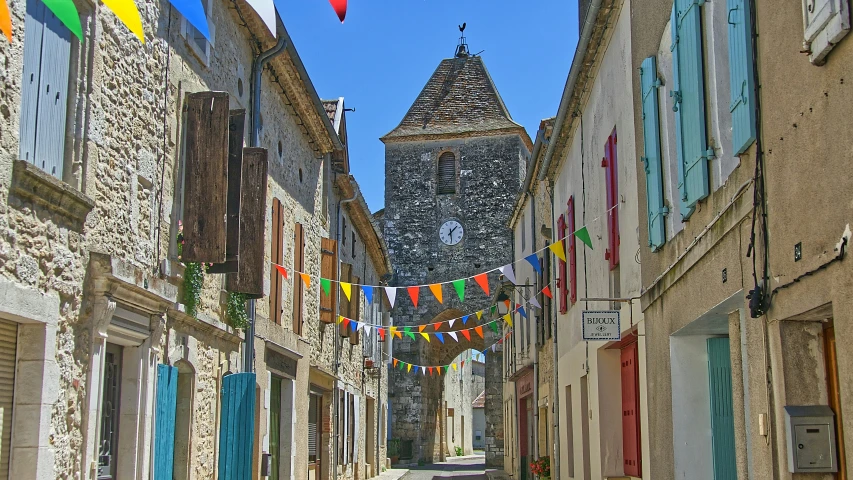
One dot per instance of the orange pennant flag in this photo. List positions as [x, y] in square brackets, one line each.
[399, 335]
[395, 363]
[435, 288]
[281, 270]
[506, 302]
[479, 331]
[5, 20]
[306, 279]
[483, 281]
[466, 333]
[421, 328]
[413, 294]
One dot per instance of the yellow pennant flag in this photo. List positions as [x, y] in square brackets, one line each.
[408, 367]
[454, 366]
[340, 318]
[426, 336]
[347, 288]
[559, 251]
[127, 12]
[479, 315]
[508, 319]
[306, 279]
[393, 331]
[435, 288]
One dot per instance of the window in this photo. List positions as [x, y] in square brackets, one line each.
[344, 230]
[276, 256]
[44, 89]
[446, 174]
[315, 419]
[825, 23]
[298, 266]
[199, 45]
[110, 415]
[523, 243]
[611, 253]
[630, 410]
[562, 281]
[351, 428]
[8, 351]
[353, 245]
[572, 253]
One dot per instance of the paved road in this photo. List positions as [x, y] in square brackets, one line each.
[464, 468]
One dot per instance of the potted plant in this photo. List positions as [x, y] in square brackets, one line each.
[394, 450]
[541, 468]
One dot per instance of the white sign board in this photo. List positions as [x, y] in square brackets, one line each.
[601, 325]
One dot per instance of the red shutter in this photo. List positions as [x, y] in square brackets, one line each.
[630, 411]
[298, 266]
[612, 183]
[562, 283]
[277, 255]
[573, 262]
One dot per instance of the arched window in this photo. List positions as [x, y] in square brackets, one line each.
[446, 174]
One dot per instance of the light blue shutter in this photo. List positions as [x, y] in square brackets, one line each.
[44, 102]
[690, 103]
[741, 75]
[722, 412]
[164, 434]
[237, 427]
[649, 84]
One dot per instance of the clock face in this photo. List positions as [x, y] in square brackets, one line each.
[451, 232]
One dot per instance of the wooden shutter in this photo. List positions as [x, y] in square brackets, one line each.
[630, 411]
[328, 270]
[446, 173]
[44, 92]
[277, 256]
[612, 183]
[355, 309]
[722, 413]
[164, 435]
[351, 428]
[237, 426]
[690, 103]
[355, 430]
[236, 128]
[206, 177]
[298, 266]
[249, 278]
[572, 251]
[649, 84]
[562, 280]
[8, 350]
[741, 75]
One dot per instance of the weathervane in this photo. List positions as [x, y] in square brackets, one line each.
[462, 47]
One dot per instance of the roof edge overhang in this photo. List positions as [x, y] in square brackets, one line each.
[520, 131]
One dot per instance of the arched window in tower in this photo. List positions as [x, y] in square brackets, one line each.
[446, 174]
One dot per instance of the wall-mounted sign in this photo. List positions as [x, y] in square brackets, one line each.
[601, 325]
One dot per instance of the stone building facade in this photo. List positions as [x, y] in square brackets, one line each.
[456, 156]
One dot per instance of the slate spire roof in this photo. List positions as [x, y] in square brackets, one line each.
[459, 98]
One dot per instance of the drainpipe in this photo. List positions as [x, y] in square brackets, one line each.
[555, 458]
[535, 343]
[257, 76]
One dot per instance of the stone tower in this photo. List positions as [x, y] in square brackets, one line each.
[456, 160]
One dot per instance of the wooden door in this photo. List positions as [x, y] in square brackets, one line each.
[834, 391]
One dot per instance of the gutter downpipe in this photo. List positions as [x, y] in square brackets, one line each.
[555, 459]
[255, 140]
[528, 181]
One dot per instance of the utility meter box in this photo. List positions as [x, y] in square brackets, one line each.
[811, 439]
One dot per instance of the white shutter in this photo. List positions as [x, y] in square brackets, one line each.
[825, 23]
[8, 347]
[355, 430]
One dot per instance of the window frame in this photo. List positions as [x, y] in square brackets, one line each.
[440, 188]
[190, 35]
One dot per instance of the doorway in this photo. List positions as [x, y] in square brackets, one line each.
[834, 391]
[281, 427]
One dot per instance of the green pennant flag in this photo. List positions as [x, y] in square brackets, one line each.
[408, 333]
[583, 235]
[445, 368]
[66, 12]
[459, 285]
[493, 309]
[494, 326]
[326, 284]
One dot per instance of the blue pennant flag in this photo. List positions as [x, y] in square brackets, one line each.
[465, 319]
[439, 336]
[193, 11]
[416, 368]
[534, 261]
[522, 312]
[368, 293]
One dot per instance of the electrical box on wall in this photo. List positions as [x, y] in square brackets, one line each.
[811, 439]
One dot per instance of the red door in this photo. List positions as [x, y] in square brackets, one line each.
[630, 411]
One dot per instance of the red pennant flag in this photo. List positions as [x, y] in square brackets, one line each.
[466, 334]
[281, 270]
[436, 325]
[430, 370]
[346, 322]
[479, 331]
[340, 7]
[547, 292]
[483, 281]
[463, 363]
[381, 333]
[413, 294]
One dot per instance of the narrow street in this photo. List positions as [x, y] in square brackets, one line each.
[470, 467]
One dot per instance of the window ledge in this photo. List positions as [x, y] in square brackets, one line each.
[31, 183]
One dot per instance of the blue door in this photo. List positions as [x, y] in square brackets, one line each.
[237, 427]
[722, 416]
[164, 434]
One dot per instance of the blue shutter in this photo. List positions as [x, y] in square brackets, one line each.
[237, 427]
[44, 96]
[649, 84]
[722, 412]
[741, 75]
[164, 434]
[690, 103]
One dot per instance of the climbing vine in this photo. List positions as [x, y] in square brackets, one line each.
[236, 310]
[193, 278]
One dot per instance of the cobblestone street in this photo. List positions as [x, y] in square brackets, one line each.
[470, 467]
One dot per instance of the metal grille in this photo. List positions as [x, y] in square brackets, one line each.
[8, 346]
[446, 173]
[110, 414]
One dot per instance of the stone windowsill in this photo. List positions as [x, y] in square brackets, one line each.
[31, 183]
[206, 324]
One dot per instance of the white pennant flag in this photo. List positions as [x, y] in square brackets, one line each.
[453, 335]
[508, 273]
[391, 293]
[451, 322]
[358, 326]
[535, 302]
[494, 347]
[266, 10]
[367, 330]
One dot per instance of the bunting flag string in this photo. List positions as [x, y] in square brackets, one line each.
[403, 365]
[6, 20]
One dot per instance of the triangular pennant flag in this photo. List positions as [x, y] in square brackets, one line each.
[266, 10]
[454, 366]
[395, 363]
[522, 312]
[466, 334]
[535, 302]
[423, 370]
[421, 328]
[436, 326]
[340, 319]
[494, 308]
[367, 330]
[435, 288]
[453, 336]
[506, 302]
[494, 326]
[483, 281]
[281, 270]
[479, 331]
[440, 337]
[480, 315]
[391, 293]
[465, 318]
[583, 235]
[451, 322]
[426, 336]
[368, 293]
[193, 11]
[355, 326]
[346, 322]
[381, 332]
[430, 370]
[508, 319]
[409, 368]
[533, 260]
[508, 273]
[326, 285]
[409, 333]
[403, 365]
[416, 369]
[306, 279]
[463, 363]
[340, 7]
[459, 286]
[6, 20]
[66, 12]
[127, 12]
[413, 294]
[547, 292]
[494, 347]
[394, 332]
[347, 288]
[558, 249]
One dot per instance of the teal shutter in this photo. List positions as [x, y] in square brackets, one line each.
[722, 415]
[741, 75]
[44, 93]
[649, 84]
[164, 434]
[689, 106]
[237, 427]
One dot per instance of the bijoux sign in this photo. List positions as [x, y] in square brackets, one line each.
[601, 325]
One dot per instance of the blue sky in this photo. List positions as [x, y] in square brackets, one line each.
[385, 52]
